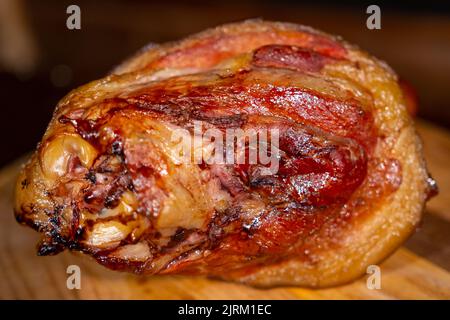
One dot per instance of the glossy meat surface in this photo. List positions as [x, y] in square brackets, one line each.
[108, 178]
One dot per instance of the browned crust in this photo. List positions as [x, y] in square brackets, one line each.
[362, 242]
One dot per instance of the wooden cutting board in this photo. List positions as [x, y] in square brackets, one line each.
[418, 270]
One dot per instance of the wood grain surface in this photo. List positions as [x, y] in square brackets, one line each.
[418, 270]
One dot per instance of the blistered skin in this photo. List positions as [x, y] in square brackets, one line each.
[108, 180]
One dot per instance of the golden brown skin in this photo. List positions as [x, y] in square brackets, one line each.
[351, 186]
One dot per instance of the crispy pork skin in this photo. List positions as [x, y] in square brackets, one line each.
[108, 178]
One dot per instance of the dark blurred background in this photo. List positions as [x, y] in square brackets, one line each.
[41, 60]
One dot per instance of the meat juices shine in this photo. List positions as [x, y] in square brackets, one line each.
[109, 178]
